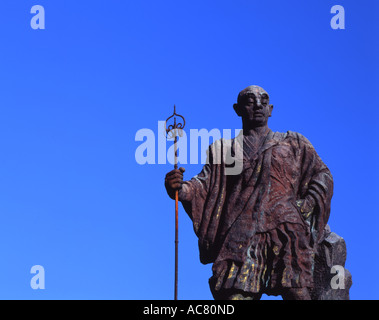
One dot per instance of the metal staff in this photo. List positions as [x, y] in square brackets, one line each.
[175, 131]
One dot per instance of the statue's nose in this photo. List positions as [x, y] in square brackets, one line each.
[258, 105]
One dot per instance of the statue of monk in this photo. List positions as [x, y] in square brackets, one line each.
[260, 227]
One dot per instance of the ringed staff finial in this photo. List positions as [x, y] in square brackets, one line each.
[175, 130]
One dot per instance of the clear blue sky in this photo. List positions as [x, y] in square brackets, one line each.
[72, 97]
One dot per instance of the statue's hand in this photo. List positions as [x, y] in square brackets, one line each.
[306, 206]
[174, 180]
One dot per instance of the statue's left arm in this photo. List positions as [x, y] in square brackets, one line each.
[316, 188]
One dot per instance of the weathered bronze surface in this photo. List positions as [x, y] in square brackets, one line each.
[265, 229]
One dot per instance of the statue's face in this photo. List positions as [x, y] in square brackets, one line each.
[255, 108]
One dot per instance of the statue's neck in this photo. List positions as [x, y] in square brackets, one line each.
[256, 131]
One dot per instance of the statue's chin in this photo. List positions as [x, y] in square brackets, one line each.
[258, 123]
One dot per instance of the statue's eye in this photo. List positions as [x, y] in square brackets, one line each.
[250, 101]
[264, 100]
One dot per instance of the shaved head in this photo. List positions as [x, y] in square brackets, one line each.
[257, 91]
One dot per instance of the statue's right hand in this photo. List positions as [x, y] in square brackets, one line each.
[174, 180]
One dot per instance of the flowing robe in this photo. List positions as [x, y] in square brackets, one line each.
[259, 227]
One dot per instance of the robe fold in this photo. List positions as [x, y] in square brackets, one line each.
[259, 227]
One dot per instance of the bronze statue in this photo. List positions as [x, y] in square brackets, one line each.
[264, 228]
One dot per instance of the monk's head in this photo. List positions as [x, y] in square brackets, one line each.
[253, 105]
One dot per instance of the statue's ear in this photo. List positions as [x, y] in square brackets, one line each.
[271, 106]
[237, 109]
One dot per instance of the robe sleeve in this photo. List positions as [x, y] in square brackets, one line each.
[194, 192]
[316, 189]
[203, 199]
